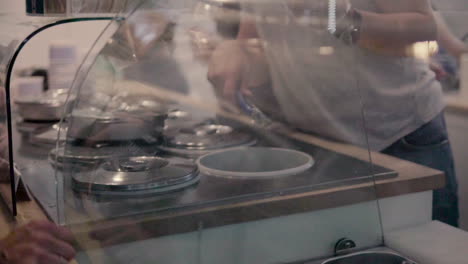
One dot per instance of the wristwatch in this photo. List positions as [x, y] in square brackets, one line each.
[349, 27]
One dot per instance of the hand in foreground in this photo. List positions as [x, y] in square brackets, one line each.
[4, 164]
[2, 101]
[39, 242]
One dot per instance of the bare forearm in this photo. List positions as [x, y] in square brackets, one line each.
[397, 29]
[447, 40]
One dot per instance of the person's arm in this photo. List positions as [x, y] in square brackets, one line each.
[398, 23]
[247, 66]
[447, 40]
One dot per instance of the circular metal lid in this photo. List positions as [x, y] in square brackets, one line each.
[27, 128]
[89, 158]
[49, 137]
[178, 114]
[136, 174]
[96, 127]
[79, 155]
[96, 116]
[139, 104]
[48, 99]
[40, 102]
[206, 137]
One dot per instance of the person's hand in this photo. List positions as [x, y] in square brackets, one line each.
[2, 101]
[4, 164]
[438, 70]
[3, 142]
[39, 242]
[226, 69]
[238, 66]
[4, 170]
[203, 44]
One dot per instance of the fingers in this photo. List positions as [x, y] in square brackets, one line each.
[48, 227]
[230, 72]
[438, 70]
[55, 246]
[231, 86]
[43, 256]
[39, 242]
[226, 89]
[4, 164]
[33, 254]
[2, 100]
[4, 170]
[245, 87]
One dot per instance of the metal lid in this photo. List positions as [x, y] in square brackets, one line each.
[49, 136]
[117, 127]
[136, 174]
[97, 116]
[48, 99]
[44, 102]
[58, 157]
[207, 137]
[87, 157]
[26, 128]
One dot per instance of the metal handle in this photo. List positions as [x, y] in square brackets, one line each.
[256, 114]
[344, 246]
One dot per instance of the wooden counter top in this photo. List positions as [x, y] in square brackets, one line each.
[411, 178]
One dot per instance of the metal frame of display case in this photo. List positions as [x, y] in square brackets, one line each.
[9, 73]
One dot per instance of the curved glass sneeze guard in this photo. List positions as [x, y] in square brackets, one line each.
[178, 128]
[17, 30]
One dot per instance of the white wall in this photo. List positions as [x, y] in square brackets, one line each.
[454, 12]
[85, 33]
[458, 132]
[36, 52]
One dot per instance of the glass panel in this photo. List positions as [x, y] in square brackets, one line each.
[15, 26]
[18, 29]
[197, 126]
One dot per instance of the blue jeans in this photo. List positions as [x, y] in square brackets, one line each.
[429, 146]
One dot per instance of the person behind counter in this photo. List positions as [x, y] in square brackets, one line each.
[403, 100]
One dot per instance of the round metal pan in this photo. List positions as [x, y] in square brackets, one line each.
[134, 175]
[205, 138]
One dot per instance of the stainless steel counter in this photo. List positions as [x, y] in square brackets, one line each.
[330, 170]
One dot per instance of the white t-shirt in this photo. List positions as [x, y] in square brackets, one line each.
[341, 92]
